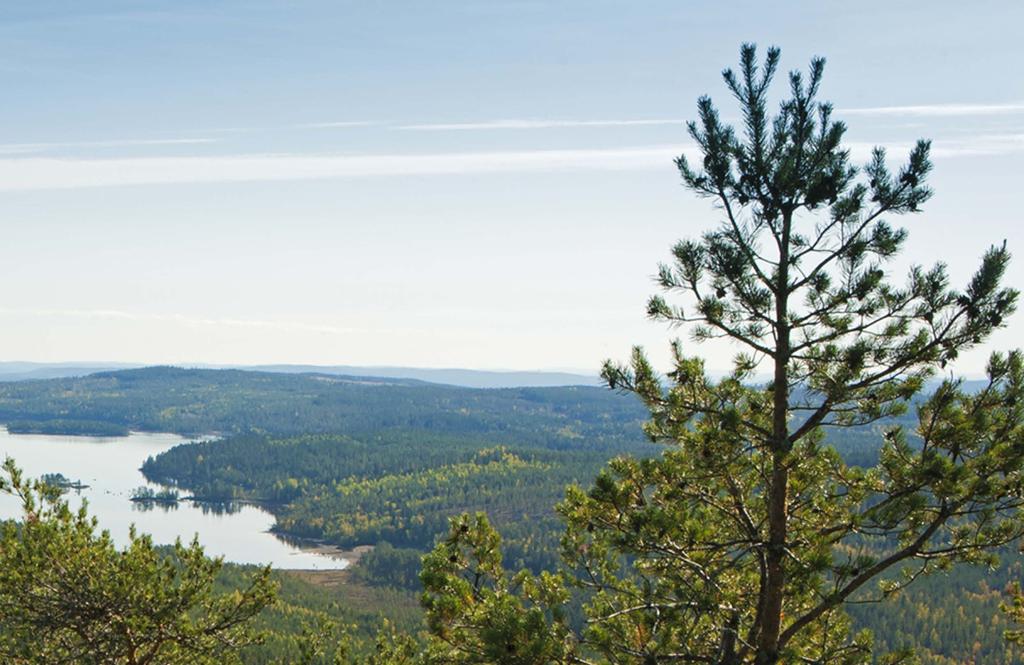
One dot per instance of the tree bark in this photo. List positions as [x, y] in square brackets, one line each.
[775, 572]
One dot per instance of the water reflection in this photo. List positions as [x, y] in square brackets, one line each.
[147, 506]
[296, 542]
[108, 469]
[220, 507]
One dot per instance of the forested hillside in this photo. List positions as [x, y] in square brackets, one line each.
[399, 488]
[337, 612]
[198, 401]
[950, 618]
[356, 461]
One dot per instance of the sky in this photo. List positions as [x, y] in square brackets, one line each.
[447, 184]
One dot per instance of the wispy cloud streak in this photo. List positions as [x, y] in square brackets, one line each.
[536, 124]
[937, 110]
[64, 173]
[39, 173]
[982, 145]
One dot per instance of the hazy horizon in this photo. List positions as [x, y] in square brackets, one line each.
[199, 365]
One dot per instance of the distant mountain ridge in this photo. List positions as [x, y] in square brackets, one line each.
[467, 378]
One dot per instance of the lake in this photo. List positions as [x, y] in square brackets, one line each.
[110, 466]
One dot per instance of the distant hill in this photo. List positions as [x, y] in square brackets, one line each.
[468, 378]
[197, 401]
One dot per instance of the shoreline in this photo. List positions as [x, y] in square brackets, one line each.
[351, 555]
[328, 578]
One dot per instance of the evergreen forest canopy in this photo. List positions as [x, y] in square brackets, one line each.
[691, 519]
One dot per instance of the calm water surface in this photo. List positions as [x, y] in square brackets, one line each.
[110, 466]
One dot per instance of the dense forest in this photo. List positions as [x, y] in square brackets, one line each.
[400, 489]
[385, 462]
[67, 427]
[329, 610]
[198, 402]
[950, 618]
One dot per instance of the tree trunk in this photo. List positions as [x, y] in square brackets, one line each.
[777, 490]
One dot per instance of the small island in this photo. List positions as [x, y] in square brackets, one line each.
[148, 495]
[67, 427]
[62, 483]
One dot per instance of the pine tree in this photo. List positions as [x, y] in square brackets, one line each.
[744, 540]
[68, 595]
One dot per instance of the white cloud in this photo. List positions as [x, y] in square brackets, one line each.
[972, 146]
[37, 173]
[990, 144]
[64, 173]
[29, 148]
[938, 110]
[537, 124]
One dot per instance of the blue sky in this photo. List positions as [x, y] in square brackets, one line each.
[473, 184]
